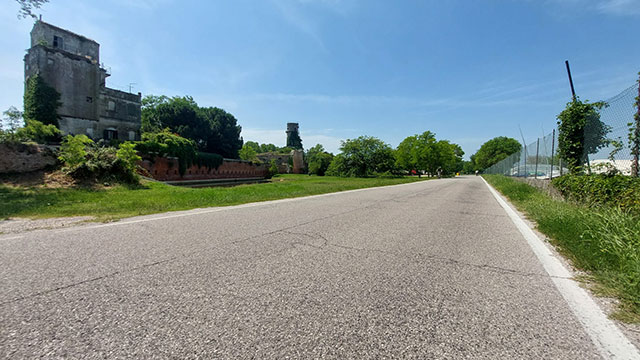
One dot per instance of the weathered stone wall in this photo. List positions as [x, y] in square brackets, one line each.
[298, 162]
[75, 78]
[43, 33]
[73, 69]
[21, 158]
[282, 161]
[166, 169]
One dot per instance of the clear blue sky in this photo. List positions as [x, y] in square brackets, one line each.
[468, 70]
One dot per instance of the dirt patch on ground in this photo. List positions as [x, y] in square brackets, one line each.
[20, 225]
[51, 179]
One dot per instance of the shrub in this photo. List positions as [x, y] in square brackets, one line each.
[128, 155]
[601, 190]
[362, 157]
[103, 164]
[72, 150]
[39, 132]
[18, 130]
[86, 160]
[273, 168]
[212, 161]
[581, 132]
[166, 143]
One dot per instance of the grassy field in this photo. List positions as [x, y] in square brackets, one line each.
[604, 241]
[119, 201]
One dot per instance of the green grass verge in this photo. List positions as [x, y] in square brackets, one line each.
[120, 201]
[603, 241]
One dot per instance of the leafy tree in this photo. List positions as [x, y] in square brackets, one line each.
[363, 156]
[468, 167]
[128, 155]
[12, 119]
[41, 101]
[33, 130]
[580, 133]
[248, 151]
[39, 132]
[407, 154]
[212, 129]
[268, 148]
[422, 152]
[495, 150]
[27, 7]
[449, 157]
[253, 146]
[224, 136]
[165, 143]
[273, 168]
[150, 120]
[72, 150]
[318, 160]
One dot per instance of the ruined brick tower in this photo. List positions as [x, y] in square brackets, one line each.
[293, 136]
[70, 63]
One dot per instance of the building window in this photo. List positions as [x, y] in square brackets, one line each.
[132, 135]
[110, 134]
[132, 110]
[111, 105]
[58, 42]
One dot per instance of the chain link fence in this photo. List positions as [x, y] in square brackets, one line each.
[540, 159]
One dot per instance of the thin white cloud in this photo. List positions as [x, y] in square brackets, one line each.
[294, 15]
[610, 7]
[619, 7]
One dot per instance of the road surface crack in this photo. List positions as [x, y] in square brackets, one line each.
[78, 283]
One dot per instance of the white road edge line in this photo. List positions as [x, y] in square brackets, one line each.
[182, 213]
[606, 336]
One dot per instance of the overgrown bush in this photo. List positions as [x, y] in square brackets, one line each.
[165, 143]
[273, 169]
[73, 150]
[17, 130]
[581, 132]
[89, 161]
[212, 161]
[601, 190]
[128, 155]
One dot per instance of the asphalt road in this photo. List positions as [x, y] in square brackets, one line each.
[433, 269]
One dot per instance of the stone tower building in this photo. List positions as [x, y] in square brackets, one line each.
[70, 63]
[293, 136]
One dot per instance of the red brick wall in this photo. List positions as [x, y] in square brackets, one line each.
[166, 169]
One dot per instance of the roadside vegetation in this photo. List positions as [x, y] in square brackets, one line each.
[119, 201]
[598, 229]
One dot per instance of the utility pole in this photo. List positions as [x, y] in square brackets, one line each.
[573, 91]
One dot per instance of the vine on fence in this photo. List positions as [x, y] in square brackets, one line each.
[634, 135]
[581, 132]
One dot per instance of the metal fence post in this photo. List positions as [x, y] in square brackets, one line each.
[526, 172]
[537, 152]
[553, 148]
[635, 165]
